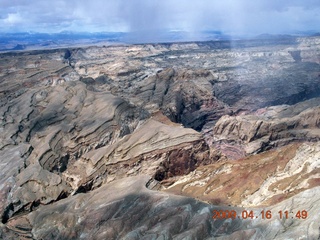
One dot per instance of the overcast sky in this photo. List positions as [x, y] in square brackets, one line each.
[229, 16]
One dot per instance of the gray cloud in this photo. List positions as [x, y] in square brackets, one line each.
[235, 16]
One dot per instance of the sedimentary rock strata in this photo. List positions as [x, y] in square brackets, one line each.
[262, 179]
[270, 127]
[44, 123]
[155, 148]
[114, 211]
[198, 83]
[85, 130]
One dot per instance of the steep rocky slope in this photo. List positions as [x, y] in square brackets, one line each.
[263, 179]
[65, 139]
[126, 209]
[84, 130]
[268, 128]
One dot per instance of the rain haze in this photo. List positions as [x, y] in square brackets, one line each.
[244, 17]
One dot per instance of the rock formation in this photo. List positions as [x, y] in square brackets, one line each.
[126, 209]
[258, 180]
[270, 127]
[99, 142]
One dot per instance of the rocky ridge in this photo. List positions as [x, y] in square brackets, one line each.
[259, 180]
[269, 127]
[114, 211]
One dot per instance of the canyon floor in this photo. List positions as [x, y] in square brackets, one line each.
[202, 140]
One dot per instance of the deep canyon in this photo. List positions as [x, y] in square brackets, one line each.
[146, 141]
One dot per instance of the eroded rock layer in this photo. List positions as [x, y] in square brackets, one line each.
[43, 134]
[74, 139]
[262, 179]
[80, 127]
[114, 211]
[269, 127]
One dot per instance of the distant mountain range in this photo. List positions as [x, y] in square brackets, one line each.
[35, 40]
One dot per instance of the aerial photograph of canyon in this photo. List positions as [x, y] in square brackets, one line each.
[160, 120]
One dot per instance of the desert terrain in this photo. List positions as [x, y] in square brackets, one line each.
[149, 141]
